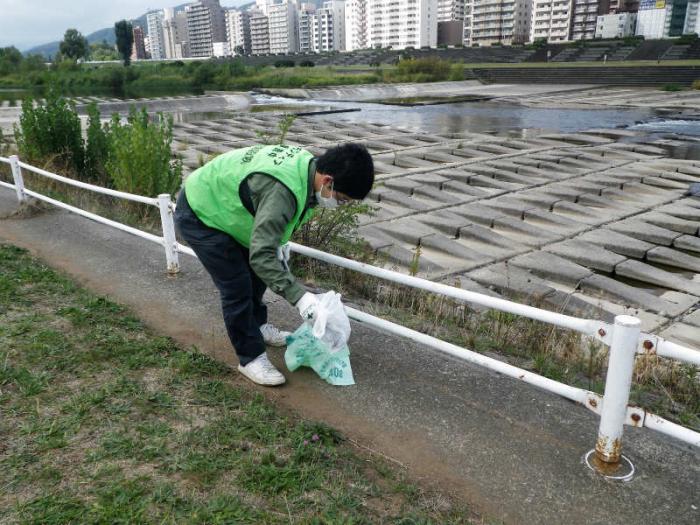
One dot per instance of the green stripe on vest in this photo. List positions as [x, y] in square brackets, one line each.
[213, 190]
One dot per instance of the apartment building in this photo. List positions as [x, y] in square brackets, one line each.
[692, 19]
[328, 27]
[238, 31]
[307, 19]
[154, 22]
[356, 25]
[205, 25]
[616, 25]
[623, 6]
[551, 20]
[402, 23]
[584, 18]
[450, 22]
[259, 33]
[498, 21]
[175, 34]
[282, 20]
[138, 48]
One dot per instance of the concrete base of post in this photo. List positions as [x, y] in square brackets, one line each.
[622, 470]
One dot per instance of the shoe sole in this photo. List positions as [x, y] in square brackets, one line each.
[276, 344]
[277, 382]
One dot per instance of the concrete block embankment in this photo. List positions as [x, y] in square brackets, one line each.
[621, 76]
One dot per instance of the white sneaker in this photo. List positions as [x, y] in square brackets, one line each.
[273, 336]
[261, 371]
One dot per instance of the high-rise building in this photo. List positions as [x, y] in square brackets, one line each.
[623, 6]
[306, 21]
[498, 21]
[238, 31]
[154, 21]
[283, 27]
[263, 5]
[138, 48]
[205, 25]
[328, 27]
[584, 18]
[356, 25]
[259, 33]
[692, 19]
[402, 23]
[551, 20]
[450, 22]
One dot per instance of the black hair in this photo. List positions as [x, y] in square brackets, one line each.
[351, 167]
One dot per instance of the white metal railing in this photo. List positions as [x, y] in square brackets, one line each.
[624, 336]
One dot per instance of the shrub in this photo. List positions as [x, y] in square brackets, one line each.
[456, 72]
[306, 63]
[50, 132]
[672, 87]
[687, 39]
[421, 70]
[334, 231]
[539, 43]
[284, 63]
[696, 84]
[633, 40]
[139, 159]
[96, 148]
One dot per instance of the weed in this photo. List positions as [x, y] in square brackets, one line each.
[672, 87]
[140, 159]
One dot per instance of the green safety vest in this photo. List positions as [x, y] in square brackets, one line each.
[213, 190]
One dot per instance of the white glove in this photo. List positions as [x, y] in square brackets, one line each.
[307, 306]
[283, 254]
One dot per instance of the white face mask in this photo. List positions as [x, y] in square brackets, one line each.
[326, 202]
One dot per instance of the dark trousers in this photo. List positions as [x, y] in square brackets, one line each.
[240, 289]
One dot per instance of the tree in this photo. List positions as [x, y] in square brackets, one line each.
[103, 51]
[238, 50]
[10, 60]
[125, 39]
[74, 45]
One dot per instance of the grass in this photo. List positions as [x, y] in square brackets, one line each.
[106, 422]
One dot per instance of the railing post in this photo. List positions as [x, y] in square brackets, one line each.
[608, 448]
[166, 218]
[17, 176]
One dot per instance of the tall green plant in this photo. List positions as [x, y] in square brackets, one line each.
[335, 231]
[51, 132]
[96, 148]
[140, 160]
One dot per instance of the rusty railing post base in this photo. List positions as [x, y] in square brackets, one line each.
[622, 470]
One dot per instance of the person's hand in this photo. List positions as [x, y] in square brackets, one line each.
[283, 254]
[307, 306]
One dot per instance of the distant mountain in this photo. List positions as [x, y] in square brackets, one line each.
[107, 34]
[49, 50]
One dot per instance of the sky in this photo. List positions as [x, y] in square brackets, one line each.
[28, 23]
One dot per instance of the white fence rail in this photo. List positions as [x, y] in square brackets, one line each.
[623, 337]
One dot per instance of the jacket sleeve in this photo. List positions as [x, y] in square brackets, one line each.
[275, 206]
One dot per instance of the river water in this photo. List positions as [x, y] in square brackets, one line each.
[489, 117]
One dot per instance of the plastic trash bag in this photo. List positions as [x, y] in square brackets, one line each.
[331, 323]
[323, 347]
